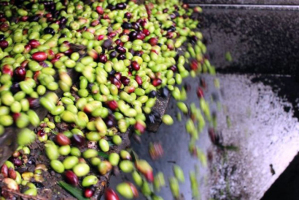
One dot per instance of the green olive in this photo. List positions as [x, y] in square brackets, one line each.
[57, 166]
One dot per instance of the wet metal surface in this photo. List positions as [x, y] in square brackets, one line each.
[267, 137]
[260, 127]
[175, 141]
[260, 41]
[245, 2]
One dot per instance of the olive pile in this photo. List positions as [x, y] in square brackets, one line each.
[124, 55]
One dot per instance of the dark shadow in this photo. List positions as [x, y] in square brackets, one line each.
[286, 186]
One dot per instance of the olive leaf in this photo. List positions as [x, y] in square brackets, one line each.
[110, 143]
[104, 155]
[72, 190]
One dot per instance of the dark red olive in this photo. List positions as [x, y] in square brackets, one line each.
[17, 162]
[169, 35]
[41, 133]
[135, 65]
[7, 69]
[153, 41]
[138, 80]
[117, 75]
[156, 82]
[135, 26]
[199, 92]
[78, 140]
[103, 58]
[12, 173]
[3, 44]
[15, 116]
[125, 80]
[116, 82]
[111, 194]
[24, 18]
[138, 53]
[33, 102]
[112, 105]
[128, 15]
[4, 170]
[173, 68]
[139, 127]
[71, 178]
[120, 49]
[100, 10]
[112, 34]
[101, 37]
[62, 139]
[34, 43]
[19, 74]
[39, 56]
[88, 193]
[194, 65]
[118, 42]
[146, 32]
[143, 23]
[140, 36]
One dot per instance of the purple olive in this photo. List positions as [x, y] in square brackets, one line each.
[78, 140]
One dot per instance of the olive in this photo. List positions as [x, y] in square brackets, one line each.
[121, 6]
[127, 25]
[133, 35]
[164, 92]
[113, 54]
[49, 30]
[107, 43]
[135, 26]
[121, 56]
[152, 94]
[171, 29]
[15, 87]
[111, 7]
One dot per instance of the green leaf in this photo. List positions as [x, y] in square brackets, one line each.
[110, 143]
[104, 155]
[72, 190]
